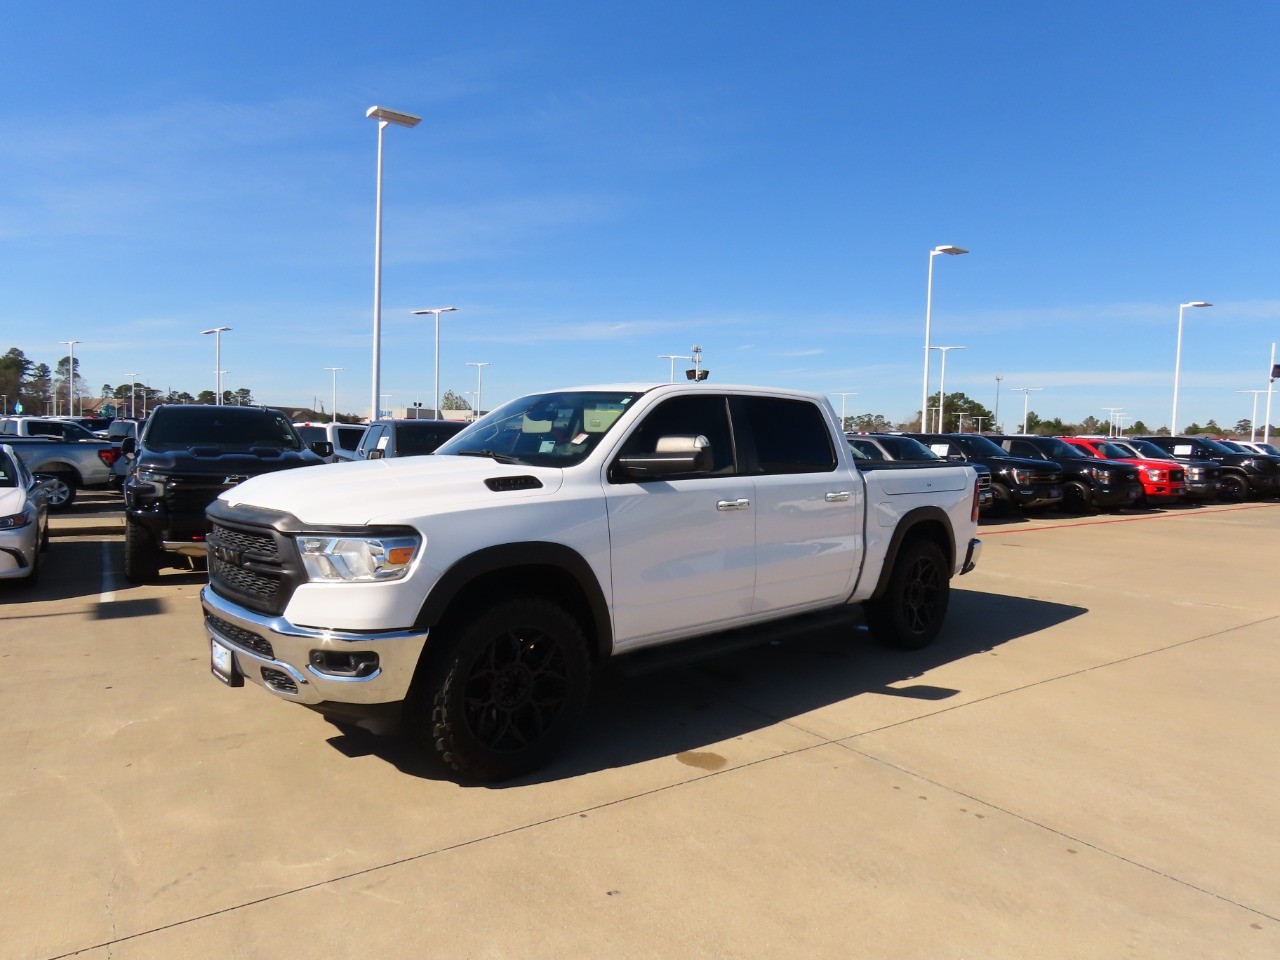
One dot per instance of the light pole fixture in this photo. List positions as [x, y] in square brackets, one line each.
[842, 396]
[133, 406]
[71, 376]
[334, 412]
[995, 414]
[1026, 396]
[384, 117]
[952, 251]
[217, 361]
[942, 383]
[479, 380]
[1111, 419]
[1253, 420]
[437, 311]
[673, 357]
[1271, 379]
[979, 420]
[1177, 363]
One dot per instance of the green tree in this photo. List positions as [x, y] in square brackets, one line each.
[959, 404]
[1091, 424]
[14, 370]
[868, 423]
[1139, 428]
[1243, 426]
[451, 401]
[205, 396]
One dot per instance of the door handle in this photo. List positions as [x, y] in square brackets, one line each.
[726, 505]
[837, 497]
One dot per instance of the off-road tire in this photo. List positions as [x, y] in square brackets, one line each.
[1234, 489]
[141, 554]
[911, 611]
[505, 688]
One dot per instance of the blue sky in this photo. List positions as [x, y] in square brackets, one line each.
[594, 185]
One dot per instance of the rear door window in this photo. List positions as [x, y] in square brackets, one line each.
[788, 436]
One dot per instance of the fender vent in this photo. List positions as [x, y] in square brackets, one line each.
[503, 484]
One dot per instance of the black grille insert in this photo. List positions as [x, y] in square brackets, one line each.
[278, 680]
[244, 581]
[245, 638]
[257, 544]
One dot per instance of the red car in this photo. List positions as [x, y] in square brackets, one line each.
[1162, 480]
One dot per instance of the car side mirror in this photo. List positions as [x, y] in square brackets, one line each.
[375, 454]
[321, 448]
[673, 456]
[128, 447]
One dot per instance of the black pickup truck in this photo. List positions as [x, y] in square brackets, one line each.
[185, 457]
[1243, 474]
[1015, 481]
[1087, 482]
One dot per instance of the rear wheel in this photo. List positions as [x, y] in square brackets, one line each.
[506, 689]
[59, 491]
[910, 612]
[1075, 498]
[141, 555]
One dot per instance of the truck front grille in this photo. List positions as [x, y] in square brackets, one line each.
[257, 544]
[257, 566]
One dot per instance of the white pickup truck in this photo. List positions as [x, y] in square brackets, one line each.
[471, 593]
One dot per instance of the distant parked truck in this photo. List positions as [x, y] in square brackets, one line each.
[405, 438]
[1243, 474]
[345, 437]
[72, 465]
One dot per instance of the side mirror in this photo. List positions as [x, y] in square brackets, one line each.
[377, 453]
[128, 447]
[322, 448]
[674, 456]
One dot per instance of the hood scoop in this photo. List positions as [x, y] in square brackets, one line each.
[505, 484]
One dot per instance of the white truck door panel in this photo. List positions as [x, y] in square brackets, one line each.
[683, 554]
[808, 538]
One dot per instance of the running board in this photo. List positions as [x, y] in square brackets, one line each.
[653, 659]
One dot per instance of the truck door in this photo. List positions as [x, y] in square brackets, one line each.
[808, 509]
[682, 549]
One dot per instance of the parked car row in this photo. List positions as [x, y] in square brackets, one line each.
[1087, 473]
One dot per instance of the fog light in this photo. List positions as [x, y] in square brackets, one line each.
[340, 663]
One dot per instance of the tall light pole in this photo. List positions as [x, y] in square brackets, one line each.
[843, 397]
[133, 406]
[942, 383]
[479, 380]
[437, 311]
[334, 412]
[928, 322]
[995, 414]
[979, 420]
[1253, 420]
[1271, 379]
[71, 377]
[384, 117]
[217, 361]
[1026, 396]
[1111, 419]
[1177, 363]
[673, 358]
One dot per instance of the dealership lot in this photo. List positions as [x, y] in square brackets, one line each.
[1083, 765]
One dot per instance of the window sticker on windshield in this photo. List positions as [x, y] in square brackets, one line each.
[382, 442]
[1182, 450]
[580, 438]
[939, 448]
[547, 446]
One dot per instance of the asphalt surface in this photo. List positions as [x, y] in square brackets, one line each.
[1083, 765]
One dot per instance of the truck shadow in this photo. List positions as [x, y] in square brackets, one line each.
[681, 711]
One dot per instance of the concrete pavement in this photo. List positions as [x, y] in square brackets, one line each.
[1082, 766]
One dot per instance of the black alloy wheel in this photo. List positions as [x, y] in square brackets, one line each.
[1235, 488]
[508, 690]
[913, 607]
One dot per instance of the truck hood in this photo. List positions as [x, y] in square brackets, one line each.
[395, 490]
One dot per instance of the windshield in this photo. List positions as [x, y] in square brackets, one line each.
[1110, 451]
[865, 449]
[1061, 451]
[1148, 449]
[978, 446]
[235, 429]
[906, 448]
[1215, 446]
[544, 429]
[1233, 446]
[1270, 448]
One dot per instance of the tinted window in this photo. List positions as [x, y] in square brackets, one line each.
[702, 415]
[119, 429]
[349, 437]
[867, 449]
[979, 446]
[231, 428]
[790, 436]
[311, 434]
[8, 472]
[423, 436]
[1024, 448]
[907, 448]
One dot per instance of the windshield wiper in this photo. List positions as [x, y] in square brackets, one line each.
[491, 454]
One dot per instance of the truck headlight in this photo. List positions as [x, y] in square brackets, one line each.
[1155, 476]
[152, 479]
[357, 559]
[1021, 477]
[15, 521]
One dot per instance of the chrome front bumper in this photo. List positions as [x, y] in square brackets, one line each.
[291, 647]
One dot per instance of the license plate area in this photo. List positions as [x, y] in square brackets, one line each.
[222, 664]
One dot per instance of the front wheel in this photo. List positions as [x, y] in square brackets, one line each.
[141, 554]
[1234, 488]
[506, 688]
[910, 612]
